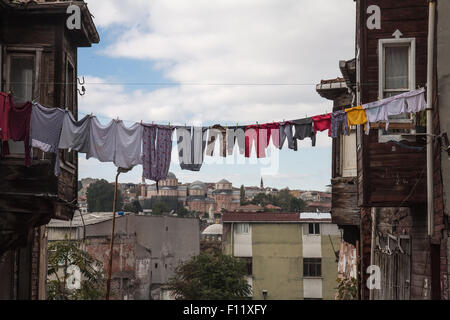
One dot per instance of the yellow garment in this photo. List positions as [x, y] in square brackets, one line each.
[356, 115]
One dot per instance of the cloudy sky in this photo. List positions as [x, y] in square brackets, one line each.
[222, 61]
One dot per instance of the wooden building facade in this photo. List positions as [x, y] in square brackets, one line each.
[38, 61]
[390, 186]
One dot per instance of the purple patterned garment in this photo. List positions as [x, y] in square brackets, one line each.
[338, 118]
[157, 150]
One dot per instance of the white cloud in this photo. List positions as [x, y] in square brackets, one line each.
[202, 45]
[225, 42]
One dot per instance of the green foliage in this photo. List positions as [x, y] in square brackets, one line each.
[347, 289]
[242, 195]
[285, 200]
[210, 277]
[62, 255]
[80, 185]
[100, 197]
[134, 206]
[159, 208]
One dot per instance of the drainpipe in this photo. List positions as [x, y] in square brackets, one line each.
[232, 239]
[372, 243]
[430, 139]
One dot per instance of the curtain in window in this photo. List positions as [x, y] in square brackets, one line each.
[397, 65]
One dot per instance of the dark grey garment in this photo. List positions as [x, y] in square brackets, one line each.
[191, 147]
[286, 133]
[234, 134]
[304, 129]
[45, 130]
[217, 132]
[75, 134]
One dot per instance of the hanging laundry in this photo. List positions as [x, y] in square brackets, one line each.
[128, 145]
[115, 143]
[374, 113]
[356, 116]
[19, 127]
[45, 130]
[286, 133]
[156, 151]
[234, 134]
[322, 123]
[75, 134]
[304, 129]
[273, 130]
[338, 120]
[254, 135]
[191, 143]
[102, 140]
[411, 101]
[6, 103]
[415, 101]
[217, 132]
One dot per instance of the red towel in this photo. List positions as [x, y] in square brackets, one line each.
[19, 127]
[321, 123]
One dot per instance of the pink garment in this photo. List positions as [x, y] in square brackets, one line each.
[322, 123]
[273, 129]
[19, 126]
[257, 136]
[6, 103]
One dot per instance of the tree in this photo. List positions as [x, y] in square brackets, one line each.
[242, 195]
[285, 200]
[159, 208]
[262, 199]
[100, 197]
[182, 211]
[210, 277]
[134, 206]
[80, 185]
[65, 257]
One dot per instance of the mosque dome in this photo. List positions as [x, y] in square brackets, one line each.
[214, 229]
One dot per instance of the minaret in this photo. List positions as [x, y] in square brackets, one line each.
[143, 189]
[262, 183]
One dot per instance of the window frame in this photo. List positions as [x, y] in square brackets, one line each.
[382, 45]
[312, 262]
[314, 225]
[9, 52]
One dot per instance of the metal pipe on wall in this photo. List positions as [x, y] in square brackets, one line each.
[430, 139]
[372, 244]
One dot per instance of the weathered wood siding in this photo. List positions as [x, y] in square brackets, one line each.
[386, 172]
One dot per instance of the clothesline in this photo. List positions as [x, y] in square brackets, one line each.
[149, 144]
[186, 83]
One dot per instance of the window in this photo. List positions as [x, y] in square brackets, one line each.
[21, 83]
[314, 228]
[242, 228]
[312, 267]
[397, 75]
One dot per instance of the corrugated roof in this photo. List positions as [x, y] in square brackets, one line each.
[260, 217]
[276, 217]
[77, 221]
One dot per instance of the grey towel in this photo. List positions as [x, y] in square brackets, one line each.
[115, 143]
[45, 130]
[75, 134]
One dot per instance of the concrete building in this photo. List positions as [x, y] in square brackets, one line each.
[290, 256]
[147, 249]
